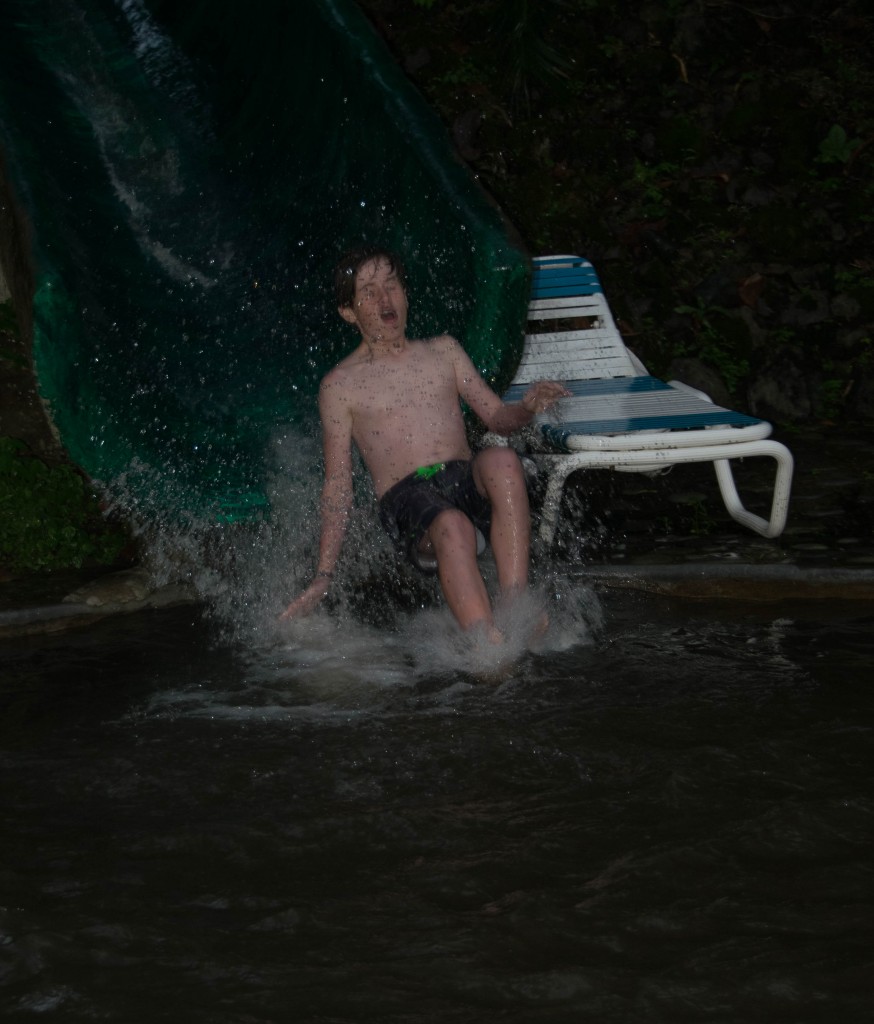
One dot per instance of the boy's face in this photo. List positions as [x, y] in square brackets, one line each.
[379, 308]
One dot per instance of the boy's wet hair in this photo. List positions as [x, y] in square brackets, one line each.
[352, 261]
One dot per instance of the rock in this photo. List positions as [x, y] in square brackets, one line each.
[116, 588]
[698, 375]
[780, 392]
[414, 62]
[757, 195]
[464, 130]
[845, 307]
[130, 589]
[812, 307]
[758, 335]
[862, 396]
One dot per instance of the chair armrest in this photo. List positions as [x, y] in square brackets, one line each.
[680, 386]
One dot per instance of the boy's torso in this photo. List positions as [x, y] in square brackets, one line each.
[405, 410]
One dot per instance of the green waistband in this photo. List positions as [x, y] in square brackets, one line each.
[424, 472]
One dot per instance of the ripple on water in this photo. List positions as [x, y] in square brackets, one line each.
[322, 664]
[669, 819]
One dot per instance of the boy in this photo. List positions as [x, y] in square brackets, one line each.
[398, 400]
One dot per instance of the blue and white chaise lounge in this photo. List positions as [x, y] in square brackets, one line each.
[618, 416]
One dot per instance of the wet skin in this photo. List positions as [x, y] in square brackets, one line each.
[398, 401]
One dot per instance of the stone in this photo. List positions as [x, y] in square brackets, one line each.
[781, 392]
[845, 307]
[128, 590]
[115, 588]
[702, 377]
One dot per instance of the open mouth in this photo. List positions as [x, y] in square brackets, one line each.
[388, 316]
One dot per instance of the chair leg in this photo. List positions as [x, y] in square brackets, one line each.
[559, 468]
[557, 475]
[773, 526]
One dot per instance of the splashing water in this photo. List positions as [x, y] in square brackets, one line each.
[330, 662]
[541, 621]
[382, 625]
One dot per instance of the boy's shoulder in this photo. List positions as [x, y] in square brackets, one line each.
[442, 341]
[340, 371]
[440, 345]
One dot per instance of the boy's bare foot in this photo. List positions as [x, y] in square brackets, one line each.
[541, 625]
[494, 635]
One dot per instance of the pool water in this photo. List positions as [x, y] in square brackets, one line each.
[664, 815]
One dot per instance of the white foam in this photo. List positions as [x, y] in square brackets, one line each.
[541, 621]
[329, 665]
[362, 646]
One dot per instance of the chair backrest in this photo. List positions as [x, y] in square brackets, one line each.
[571, 333]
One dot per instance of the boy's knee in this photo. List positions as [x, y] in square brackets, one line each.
[451, 526]
[499, 467]
[497, 455]
[499, 458]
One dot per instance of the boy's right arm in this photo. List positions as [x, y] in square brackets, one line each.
[336, 501]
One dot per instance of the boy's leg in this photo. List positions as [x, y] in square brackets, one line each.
[499, 476]
[453, 538]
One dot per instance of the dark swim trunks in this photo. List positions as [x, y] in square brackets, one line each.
[407, 509]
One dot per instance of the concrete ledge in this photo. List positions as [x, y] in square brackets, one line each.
[127, 592]
[117, 593]
[737, 582]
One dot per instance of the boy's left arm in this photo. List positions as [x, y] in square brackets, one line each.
[497, 415]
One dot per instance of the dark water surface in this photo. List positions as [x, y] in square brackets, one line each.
[670, 823]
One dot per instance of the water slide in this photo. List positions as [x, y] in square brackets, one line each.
[189, 174]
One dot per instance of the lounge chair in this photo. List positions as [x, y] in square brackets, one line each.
[618, 416]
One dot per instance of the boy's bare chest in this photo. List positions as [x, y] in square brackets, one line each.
[414, 388]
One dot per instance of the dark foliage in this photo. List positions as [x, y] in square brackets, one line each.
[714, 160]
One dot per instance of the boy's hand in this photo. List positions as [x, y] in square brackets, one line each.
[309, 599]
[542, 395]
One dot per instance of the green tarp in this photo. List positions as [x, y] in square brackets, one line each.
[191, 172]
